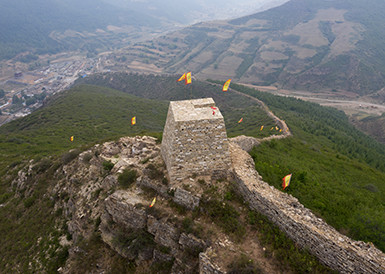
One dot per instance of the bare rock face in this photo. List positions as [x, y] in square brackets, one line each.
[186, 198]
[124, 210]
[191, 243]
[167, 235]
[206, 266]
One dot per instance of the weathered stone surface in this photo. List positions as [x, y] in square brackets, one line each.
[185, 198]
[300, 224]
[144, 181]
[161, 257]
[145, 254]
[110, 181]
[167, 235]
[152, 225]
[194, 139]
[190, 242]
[206, 266]
[122, 207]
[245, 142]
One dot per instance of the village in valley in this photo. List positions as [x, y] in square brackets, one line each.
[23, 90]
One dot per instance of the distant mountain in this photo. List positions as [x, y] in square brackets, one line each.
[30, 25]
[50, 26]
[304, 44]
[374, 126]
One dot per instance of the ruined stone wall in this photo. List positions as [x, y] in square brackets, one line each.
[195, 140]
[300, 224]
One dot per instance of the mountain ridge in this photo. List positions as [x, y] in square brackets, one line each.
[311, 45]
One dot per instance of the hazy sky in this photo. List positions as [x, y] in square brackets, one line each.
[192, 11]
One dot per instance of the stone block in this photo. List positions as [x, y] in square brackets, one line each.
[185, 198]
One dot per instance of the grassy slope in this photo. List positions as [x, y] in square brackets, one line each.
[231, 105]
[88, 113]
[328, 159]
[91, 114]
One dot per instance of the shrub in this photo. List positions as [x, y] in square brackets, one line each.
[69, 156]
[42, 165]
[225, 216]
[87, 157]
[188, 225]
[108, 165]
[4, 197]
[127, 178]
[136, 240]
[153, 172]
[28, 202]
[243, 264]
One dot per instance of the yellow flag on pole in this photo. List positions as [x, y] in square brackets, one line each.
[261, 127]
[240, 121]
[182, 77]
[226, 85]
[133, 120]
[153, 202]
[72, 138]
[286, 181]
[188, 78]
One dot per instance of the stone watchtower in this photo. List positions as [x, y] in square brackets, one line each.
[195, 140]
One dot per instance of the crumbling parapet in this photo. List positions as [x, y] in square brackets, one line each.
[195, 140]
[335, 250]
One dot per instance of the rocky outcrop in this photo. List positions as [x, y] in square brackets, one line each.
[186, 198]
[94, 201]
[206, 266]
[123, 208]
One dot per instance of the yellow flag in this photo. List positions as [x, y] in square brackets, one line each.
[133, 120]
[272, 128]
[261, 127]
[182, 77]
[240, 121]
[286, 181]
[188, 78]
[153, 202]
[276, 128]
[72, 138]
[226, 85]
[280, 130]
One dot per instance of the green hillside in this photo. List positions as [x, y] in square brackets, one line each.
[89, 113]
[158, 87]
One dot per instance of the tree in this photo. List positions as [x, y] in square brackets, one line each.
[16, 100]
